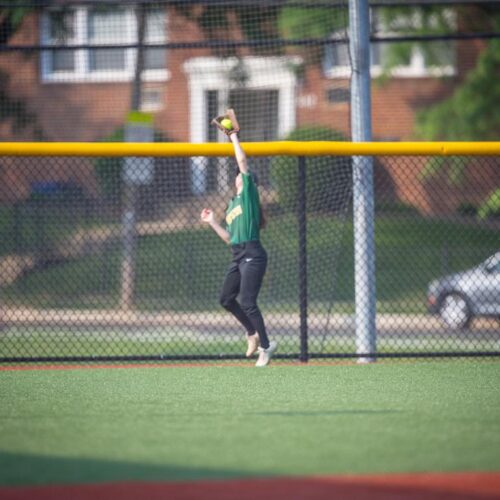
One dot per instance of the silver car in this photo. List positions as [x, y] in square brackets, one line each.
[459, 297]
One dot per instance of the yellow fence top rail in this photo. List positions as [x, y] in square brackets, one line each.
[280, 148]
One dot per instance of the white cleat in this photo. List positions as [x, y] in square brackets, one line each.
[253, 345]
[265, 355]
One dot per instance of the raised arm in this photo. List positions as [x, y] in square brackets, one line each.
[241, 157]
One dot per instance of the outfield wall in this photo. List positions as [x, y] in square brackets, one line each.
[64, 294]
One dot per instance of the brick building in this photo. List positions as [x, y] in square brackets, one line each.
[85, 95]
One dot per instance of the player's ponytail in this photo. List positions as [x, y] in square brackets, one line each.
[263, 218]
[262, 215]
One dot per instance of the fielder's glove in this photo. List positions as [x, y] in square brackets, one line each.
[222, 122]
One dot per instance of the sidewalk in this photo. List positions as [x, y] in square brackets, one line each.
[126, 318]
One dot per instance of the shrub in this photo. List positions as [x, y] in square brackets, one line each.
[328, 178]
[491, 206]
[395, 208]
[467, 209]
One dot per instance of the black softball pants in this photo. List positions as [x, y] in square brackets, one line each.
[244, 278]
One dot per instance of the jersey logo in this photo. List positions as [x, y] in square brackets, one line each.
[235, 212]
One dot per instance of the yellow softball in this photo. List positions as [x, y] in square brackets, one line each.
[227, 123]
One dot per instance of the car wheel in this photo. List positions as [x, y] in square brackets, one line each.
[455, 311]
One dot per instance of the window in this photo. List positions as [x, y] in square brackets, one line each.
[100, 26]
[337, 64]
[105, 28]
[62, 32]
[151, 99]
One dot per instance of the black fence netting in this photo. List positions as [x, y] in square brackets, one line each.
[95, 268]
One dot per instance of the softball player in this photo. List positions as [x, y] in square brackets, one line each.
[244, 220]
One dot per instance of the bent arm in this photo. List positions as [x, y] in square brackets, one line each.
[221, 232]
[241, 157]
[207, 216]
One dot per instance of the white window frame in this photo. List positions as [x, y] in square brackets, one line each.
[416, 69]
[82, 72]
[213, 73]
[266, 73]
[149, 105]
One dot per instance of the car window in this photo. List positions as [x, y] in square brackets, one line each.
[495, 268]
[493, 265]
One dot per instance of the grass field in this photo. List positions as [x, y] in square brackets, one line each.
[183, 270]
[221, 422]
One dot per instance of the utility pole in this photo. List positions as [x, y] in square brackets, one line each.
[130, 180]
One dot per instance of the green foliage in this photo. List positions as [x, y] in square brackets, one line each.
[328, 178]
[422, 20]
[12, 17]
[454, 166]
[257, 23]
[467, 209]
[395, 208]
[491, 206]
[216, 21]
[7, 228]
[306, 22]
[472, 113]
[299, 22]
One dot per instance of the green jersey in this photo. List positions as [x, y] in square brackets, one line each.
[243, 213]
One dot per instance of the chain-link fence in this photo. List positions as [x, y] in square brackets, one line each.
[94, 267]
[109, 272]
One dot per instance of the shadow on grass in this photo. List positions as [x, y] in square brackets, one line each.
[17, 469]
[26, 477]
[321, 413]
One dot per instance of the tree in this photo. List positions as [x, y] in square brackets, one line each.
[219, 22]
[11, 19]
[303, 22]
[471, 113]
[414, 21]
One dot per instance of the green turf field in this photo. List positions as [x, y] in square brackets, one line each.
[165, 423]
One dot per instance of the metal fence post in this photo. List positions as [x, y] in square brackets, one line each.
[302, 204]
[363, 193]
